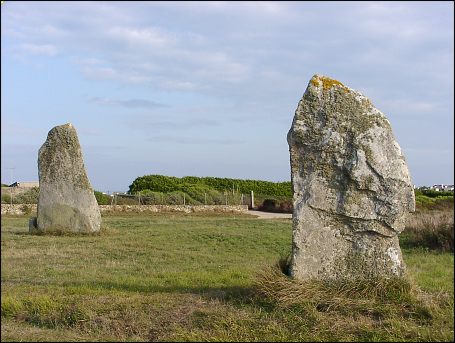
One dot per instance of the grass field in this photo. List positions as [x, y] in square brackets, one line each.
[177, 277]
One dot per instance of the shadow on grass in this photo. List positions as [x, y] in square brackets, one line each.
[232, 294]
[102, 232]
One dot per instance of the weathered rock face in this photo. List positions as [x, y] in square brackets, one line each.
[352, 189]
[66, 199]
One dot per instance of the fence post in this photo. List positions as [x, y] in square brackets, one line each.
[205, 198]
[252, 200]
[184, 199]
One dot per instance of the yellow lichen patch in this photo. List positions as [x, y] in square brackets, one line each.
[327, 83]
[315, 82]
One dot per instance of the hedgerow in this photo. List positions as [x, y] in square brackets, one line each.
[201, 185]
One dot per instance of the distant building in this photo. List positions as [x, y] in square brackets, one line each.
[442, 188]
[25, 184]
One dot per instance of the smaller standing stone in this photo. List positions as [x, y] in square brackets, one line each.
[32, 225]
[66, 199]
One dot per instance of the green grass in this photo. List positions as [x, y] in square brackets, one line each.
[198, 277]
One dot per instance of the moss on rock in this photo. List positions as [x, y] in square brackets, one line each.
[348, 174]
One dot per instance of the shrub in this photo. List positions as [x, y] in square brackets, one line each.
[215, 198]
[268, 205]
[277, 206]
[174, 198]
[196, 191]
[435, 194]
[430, 229]
[121, 199]
[29, 196]
[166, 184]
[26, 209]
[286, 206]
[102, 199]
[149, 197]
[157, 183]
[6, 198]
[424, 202]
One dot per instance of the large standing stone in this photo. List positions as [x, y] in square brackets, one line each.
[352, 189]
[66, 199]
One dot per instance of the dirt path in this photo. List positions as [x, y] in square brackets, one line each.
[270, 215]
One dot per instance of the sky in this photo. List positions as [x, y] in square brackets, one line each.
[211, 88]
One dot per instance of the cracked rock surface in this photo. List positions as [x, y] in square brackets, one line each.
[351, 184]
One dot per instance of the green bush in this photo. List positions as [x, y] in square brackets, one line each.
[424, 202]
[149, 197]
[126, 200]
[27, 197]
[430, 229]
[195, 191]
[6, 198]
[156, 183]
[175, 198]
[268, 205]
[275, 205]
[215, 198]
[286, 206]
[434, 194]
[166, 184]
[102, 199]
[26, 209]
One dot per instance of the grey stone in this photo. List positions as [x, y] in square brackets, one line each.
[352, 188]
[32, 224]
[66, 199]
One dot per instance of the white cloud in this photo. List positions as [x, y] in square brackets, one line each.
[142, 38]
[432, 152]
[53, 31]
[196, 140]
[37, 49]
[100, 73]
[152, 123]
[216, 66]
[130, 103]
[412, 106]
[180, 85]
[89, 131]
[90, 61]
[270, 8]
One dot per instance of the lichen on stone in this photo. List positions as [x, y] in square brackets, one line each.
[66, 199]
[327, 83]
[348, 175]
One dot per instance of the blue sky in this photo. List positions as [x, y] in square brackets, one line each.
[210, 88]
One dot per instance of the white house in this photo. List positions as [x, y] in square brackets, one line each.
[25, 184]
[442, 188]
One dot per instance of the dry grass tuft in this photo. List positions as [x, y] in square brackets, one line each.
[430, 229]
[371, 297]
